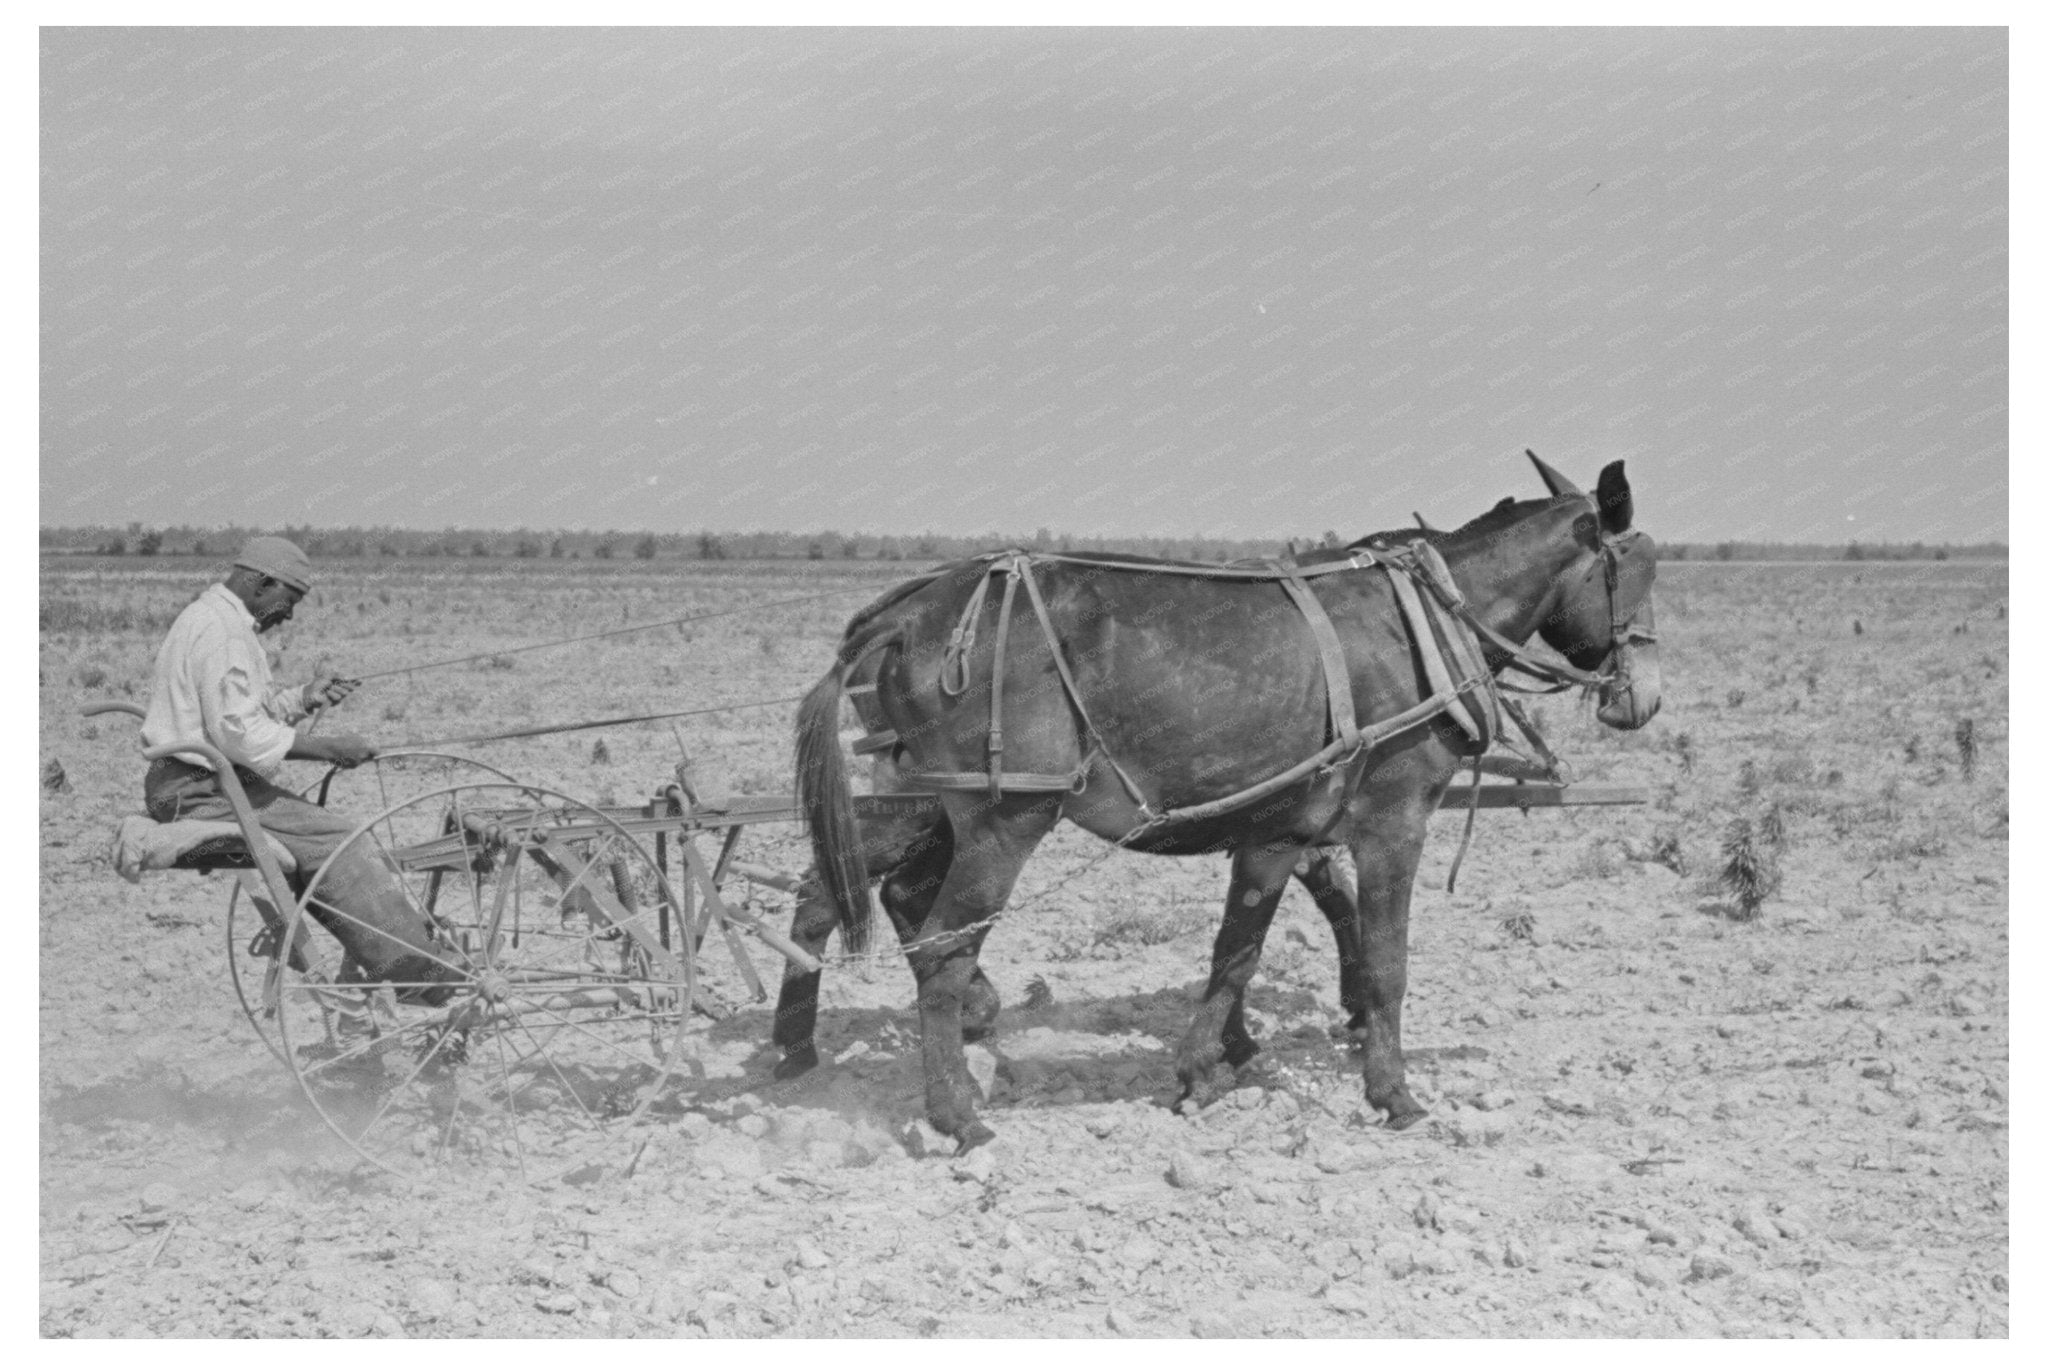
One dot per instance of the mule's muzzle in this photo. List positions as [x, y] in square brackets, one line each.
[1634, 690]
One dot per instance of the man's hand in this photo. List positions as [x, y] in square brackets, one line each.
[328, 691]
[343, 751]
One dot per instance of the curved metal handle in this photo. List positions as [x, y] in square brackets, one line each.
[230, 786]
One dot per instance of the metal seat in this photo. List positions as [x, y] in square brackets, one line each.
[142, 845]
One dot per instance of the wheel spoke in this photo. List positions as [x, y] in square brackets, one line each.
[412, 1076]
[511, 1103]
[526, 1020]
[330, 908]
[541, 1048]
[597, 1038]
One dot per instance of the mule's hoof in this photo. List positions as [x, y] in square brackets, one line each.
[796, 1062]
[1402, 1122]
[974, 1135]
[1198, 1093]
[977, 1033]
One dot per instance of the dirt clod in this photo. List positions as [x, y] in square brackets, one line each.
[1184, 1172]
[1709, 1265]
[1703, 1069]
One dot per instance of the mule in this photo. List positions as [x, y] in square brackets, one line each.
[907, 856]
[1159, 723]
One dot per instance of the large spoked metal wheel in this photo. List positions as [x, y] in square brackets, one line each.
[254, 925]
[553, 1026]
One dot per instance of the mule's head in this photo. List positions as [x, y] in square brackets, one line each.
[1602, 620]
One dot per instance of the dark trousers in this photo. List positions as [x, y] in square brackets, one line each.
[362, 902]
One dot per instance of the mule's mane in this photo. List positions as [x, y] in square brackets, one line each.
[1503, 514]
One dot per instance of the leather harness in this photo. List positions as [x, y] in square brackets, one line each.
[1439, 624]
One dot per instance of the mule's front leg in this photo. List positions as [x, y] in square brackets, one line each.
[1258, 876]
[1387, 859]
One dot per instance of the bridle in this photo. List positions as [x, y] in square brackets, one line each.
[1557, 674]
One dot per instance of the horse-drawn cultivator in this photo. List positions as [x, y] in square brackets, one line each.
[578, 946]
[593, 937]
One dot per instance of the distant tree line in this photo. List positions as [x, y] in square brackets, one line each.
[374, 542]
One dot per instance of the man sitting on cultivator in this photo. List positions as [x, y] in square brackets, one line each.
[213, 684]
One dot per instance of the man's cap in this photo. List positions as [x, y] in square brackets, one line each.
[276, 557]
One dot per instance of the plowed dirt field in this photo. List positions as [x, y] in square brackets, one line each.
[1647, 1116]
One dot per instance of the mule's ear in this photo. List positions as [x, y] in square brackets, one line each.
[1558, 484]
[1617, 505]
[1423, 524]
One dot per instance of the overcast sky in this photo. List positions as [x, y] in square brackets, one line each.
[1234, 282]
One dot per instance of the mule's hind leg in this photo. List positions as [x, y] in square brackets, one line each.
[1325, 879]
[796, 1005]
[908, 893]
[1321, 876]
[1258, 876]
[991, 844]
[979, 1008]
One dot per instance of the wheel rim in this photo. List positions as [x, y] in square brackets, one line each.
[568, 1016]
[390, 779]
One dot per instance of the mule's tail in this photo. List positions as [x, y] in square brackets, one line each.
[827, 804]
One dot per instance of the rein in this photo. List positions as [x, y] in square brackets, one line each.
[1447, 692]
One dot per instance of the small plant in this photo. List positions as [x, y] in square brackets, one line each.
[54, 780]
[1813, 680]
[1736, 696]
[91, 677]
[1748, 780]
[1966, 746]
[1669, 851]
[1596, 862]
[1037, 994]
[599, 753]
[1913, 749]
[1520, 926]
[1686, 755]
[1793, 770]
[1771, 828]
[1147, 925]
[1749, 871]
[1856, 626]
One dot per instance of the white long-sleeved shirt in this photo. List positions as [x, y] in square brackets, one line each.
[213, 683]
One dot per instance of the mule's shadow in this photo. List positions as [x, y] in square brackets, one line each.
[1119, 1047]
